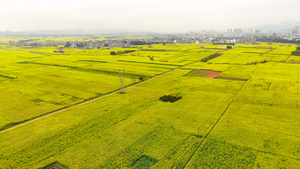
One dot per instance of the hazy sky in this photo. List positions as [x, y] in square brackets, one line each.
[140, 15]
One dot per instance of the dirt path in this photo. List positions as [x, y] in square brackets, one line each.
[85, 102]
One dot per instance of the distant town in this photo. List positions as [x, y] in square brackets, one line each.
[249, 36]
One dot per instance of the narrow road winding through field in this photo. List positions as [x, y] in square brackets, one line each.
[85, 102]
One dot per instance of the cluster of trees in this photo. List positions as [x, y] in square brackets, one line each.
[121, 52]
[68, 44]
[224, 44]
[146, 43]
[297, 52]
[139, 43]
[211, 57]
[80, 45]
[278, 40]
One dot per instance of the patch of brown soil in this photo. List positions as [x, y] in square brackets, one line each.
[212, 74]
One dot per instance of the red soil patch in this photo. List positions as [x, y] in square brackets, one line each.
[212, 74]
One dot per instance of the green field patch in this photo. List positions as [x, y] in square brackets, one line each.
[37, 100]
[98, 61]
[220, 154]
[40, 53]
[196, 73]
[114, 73]
[143, 162]
[279, 54]
[265, 160]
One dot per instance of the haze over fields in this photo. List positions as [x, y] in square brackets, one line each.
[155, 16]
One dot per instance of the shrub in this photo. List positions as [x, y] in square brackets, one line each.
[169, 98]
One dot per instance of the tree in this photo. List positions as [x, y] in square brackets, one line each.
[68, 44]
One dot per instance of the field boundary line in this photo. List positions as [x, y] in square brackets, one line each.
[89, 100]
[214, 125]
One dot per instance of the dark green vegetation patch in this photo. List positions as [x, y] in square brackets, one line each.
[7, 77]
[169, 98]
[223, 44]
[121, 52]
[210, 57]
[144, 162]
[296, 53]
[99, 61]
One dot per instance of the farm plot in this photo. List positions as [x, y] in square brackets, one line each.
[33, 84]
[258, 54]
[259, 130]
[177, 120]
[144, 126]
[35, 80]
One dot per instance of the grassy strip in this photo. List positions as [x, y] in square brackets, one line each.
[247, 47]
[148, 63]
[155, 50]
[269, 51]
[7, 77]
[253, 52]
[99, 61]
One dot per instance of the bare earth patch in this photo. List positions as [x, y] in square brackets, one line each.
[211, 73]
